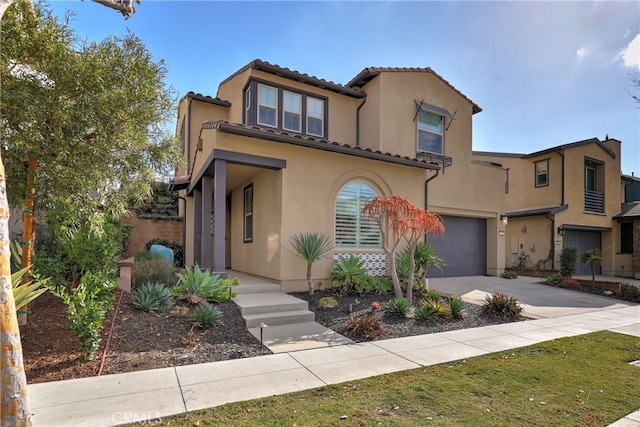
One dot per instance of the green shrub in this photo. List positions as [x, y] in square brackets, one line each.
[629, 292]
[553, 279]
[458, 311]
[202, 283]
[206, 315]
[152, 267]
[399, 307]
[328, 302]
[502, 306]
[425, 313]
[363, 328]
[177, 248]
[87, 306]
[381, 285]
[509, 274]
[152, 296]
[568, 260]
[347, 272]
[433, 294]
[440, 309]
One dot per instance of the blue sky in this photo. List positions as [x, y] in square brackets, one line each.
[544, 73]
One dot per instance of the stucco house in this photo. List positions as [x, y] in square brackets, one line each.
[568, 195]
[278, 152]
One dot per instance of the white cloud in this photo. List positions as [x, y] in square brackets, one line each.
[631, 54]
[582, 52]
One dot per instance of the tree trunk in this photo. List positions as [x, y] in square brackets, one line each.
[28, 227]
[412, 272]
[14, 407]
[309, 281]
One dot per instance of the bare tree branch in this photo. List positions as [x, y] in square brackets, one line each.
[123, 6]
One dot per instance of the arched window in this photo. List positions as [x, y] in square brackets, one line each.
[352, 231]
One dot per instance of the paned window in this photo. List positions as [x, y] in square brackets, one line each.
[267, 105]
[315, 116]
[351, 230]
[248, 214]
[542, 173]
[292, 111]
[429, 132]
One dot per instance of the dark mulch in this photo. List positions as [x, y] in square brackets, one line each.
[142, 340]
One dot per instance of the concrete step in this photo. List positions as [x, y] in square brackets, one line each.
[268, 302]
[257, 289]
[279, 318]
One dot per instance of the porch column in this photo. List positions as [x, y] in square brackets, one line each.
[205, 223]
[197, 226]
[220, 209]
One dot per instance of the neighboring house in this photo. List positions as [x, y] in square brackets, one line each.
[629, 222]
[565, 196]
[278, 152]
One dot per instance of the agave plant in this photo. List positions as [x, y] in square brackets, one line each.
[195, 281]
[152, 296]
[311, 247]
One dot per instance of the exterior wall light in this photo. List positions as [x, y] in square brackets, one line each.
[505, 219]
[561, 230]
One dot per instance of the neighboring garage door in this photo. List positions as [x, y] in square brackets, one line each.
[583, 240]
[463, 247]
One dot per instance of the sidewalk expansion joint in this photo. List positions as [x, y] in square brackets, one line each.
[184, 402]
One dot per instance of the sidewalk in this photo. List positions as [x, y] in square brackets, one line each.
[148, 395]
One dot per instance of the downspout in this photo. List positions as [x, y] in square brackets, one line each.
[426, 189]
[358, 120]
[552, 218]
[562, 177]
[189, 164]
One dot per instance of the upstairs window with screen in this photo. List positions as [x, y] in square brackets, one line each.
[542, 173]
[429, 132]
[267, 105]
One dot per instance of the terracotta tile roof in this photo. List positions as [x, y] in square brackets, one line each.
[366, 75]
[208, 99]
[314, 142]
[258, 64]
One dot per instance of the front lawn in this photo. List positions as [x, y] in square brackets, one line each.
[578, 381]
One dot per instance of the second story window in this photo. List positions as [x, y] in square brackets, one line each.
[267, 105]
[315, 116]
[429, 132]
[285, 108]
[292, 111]
[542, 173]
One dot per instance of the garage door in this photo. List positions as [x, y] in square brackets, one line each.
[583, 240]
[463, 247]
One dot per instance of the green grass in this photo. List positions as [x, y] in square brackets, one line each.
[577, 381]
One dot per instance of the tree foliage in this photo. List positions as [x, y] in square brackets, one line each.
[400, 220]
[92, 112]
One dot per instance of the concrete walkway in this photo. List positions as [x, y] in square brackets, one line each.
[149, 395]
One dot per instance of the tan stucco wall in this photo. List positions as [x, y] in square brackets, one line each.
[533, 233]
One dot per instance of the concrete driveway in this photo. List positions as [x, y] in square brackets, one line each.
[538, 301]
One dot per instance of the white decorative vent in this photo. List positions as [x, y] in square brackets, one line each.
[376, 264]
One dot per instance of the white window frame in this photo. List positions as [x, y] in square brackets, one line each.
[310, 116]
[539, 174]
[298, 113]
[425, 127]
[271, 107]
[352, 211]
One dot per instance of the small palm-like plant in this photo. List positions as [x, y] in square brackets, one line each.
[311, 247]
[348, 271]
[206, 315]
[24, 293]
[425, 314]
[399, 307]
